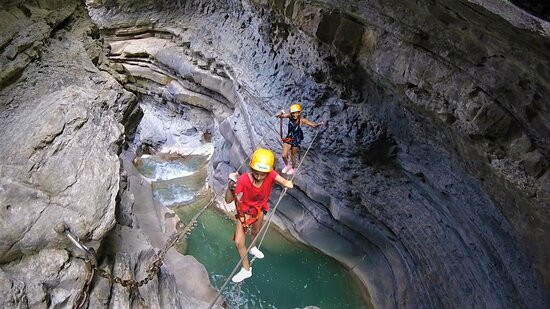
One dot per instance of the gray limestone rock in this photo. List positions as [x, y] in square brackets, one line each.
[426, 145]
[430, 181]
[63, 125]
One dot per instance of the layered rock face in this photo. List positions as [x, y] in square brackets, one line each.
[430, 182]
[63, 124]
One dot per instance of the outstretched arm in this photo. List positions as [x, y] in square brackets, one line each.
[306, 122]
[282, 115]
[283, 182]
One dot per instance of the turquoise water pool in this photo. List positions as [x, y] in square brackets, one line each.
[290, 276]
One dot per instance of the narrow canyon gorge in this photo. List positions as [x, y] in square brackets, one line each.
[429, 182]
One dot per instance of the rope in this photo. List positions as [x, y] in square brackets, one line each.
[201, 211]
[256, 99]
[276, 133]
[274, 208]
[262, 230]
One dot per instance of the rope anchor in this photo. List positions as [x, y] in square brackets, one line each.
[90, 264]
[92, 268]
[88, 252]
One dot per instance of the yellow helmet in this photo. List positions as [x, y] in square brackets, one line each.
[262, 160]
[295, 108]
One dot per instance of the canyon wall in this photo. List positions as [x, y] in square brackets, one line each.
[430, 181]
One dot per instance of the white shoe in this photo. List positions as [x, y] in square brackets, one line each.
[256, 252]
[290, 171]
[241, 275]
[285, 169]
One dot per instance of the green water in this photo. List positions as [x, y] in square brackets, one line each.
[290, 276]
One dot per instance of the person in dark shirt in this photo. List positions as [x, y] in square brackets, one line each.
[294, 135]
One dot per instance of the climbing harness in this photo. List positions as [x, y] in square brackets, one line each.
[91, 261]
[286, 140]
[262, 161]
[263, 230]
[246, 223]
[254, 213]
[292, 130]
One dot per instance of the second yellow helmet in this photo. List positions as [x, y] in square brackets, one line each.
[262, 160]
[295, 108]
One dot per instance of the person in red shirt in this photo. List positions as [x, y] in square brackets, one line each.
[250, 193]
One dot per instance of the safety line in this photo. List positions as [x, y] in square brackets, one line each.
[262, 230]
[274, 208]
[199, 213]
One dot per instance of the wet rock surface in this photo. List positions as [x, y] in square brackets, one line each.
[430, 181]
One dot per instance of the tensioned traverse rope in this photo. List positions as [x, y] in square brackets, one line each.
[201, 211]
[274, 208]
[257, 100]
[263, 228]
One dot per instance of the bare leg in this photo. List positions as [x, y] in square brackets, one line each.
[256, 226]
[240, 238]
[286, 147]
[294, 152]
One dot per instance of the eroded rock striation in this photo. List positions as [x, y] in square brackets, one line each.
[430, 181]
[63, 127]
